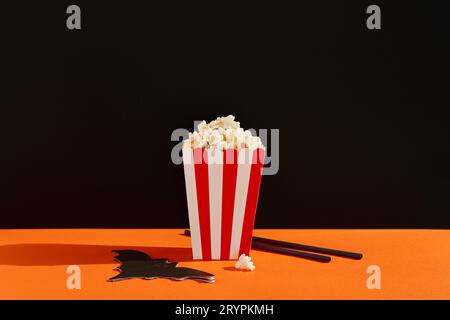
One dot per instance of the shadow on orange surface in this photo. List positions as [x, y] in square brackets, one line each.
[52, 254]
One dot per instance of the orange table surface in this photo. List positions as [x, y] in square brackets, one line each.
[414, 264]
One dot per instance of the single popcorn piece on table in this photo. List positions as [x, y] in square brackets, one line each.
[245, 263]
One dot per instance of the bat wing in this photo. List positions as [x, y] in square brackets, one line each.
[133, 264]
[188, 273]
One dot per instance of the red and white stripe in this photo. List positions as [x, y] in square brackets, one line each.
[222, 190]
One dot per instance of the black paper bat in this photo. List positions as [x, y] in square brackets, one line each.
[136, 264]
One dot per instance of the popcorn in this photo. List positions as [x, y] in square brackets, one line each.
[245, 263]
[222, 133]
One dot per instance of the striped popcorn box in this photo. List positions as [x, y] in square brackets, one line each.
[222, 190]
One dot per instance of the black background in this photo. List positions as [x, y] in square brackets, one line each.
[86, 116]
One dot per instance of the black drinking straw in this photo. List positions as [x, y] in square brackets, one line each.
[305, 255]
[303, 247]
[258, 241]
